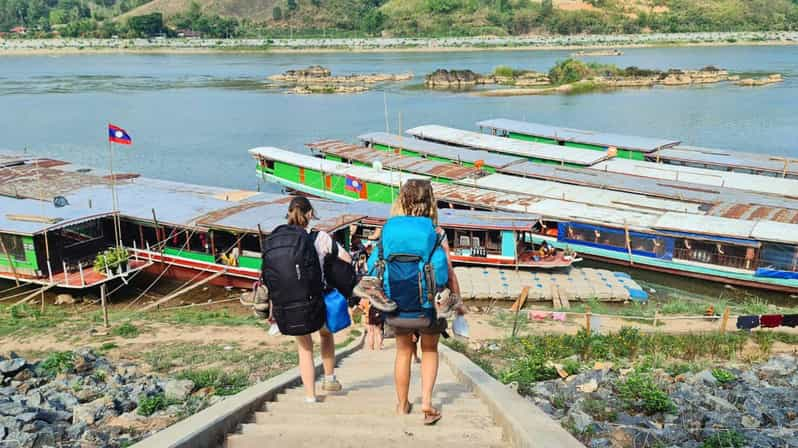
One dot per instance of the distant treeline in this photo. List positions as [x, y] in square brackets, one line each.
[424, 18]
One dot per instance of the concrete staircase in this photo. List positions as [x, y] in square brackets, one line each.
[363, 414]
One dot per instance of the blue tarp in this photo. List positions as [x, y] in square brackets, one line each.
[772, 273]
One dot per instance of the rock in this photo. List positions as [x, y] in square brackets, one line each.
[64, 299]
[580, 420]
[75, 431]
[706, 377]
[89, 413]
[178, 389]
[27, 417]
[777, 366]
[589, 387]
[10, 367]
[750, 422]
[11, 408]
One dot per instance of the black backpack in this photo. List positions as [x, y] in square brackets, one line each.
[292, 273]
[338, 273]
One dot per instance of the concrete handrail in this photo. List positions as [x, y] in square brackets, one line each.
[524, 424]
[208, 428]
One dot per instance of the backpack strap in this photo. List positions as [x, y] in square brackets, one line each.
[430, 276]
[380, 260]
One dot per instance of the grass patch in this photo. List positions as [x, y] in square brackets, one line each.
[126, 330]
[223, 383]
[58, 362]
[724, 439]
[150, 405]
[723, 376]
[599, 410]
[107, 346]
[640, 392]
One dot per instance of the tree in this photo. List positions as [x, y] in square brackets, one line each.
[546, 8]
[441, 6]
[277, 13]
[568, 71]
[373, 21]
[292, 5]
[146, 25]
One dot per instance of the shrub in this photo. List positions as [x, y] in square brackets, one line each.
[723, 376]
[724, 439]
[640, 392]
[569, 71]
[528, 369]
[503, 70]
[58, 362]
[150, 405]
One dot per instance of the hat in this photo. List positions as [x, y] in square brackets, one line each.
[303, 204]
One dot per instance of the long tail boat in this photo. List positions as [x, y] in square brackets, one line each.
[664, 151]
[605, 161]
[754, 253]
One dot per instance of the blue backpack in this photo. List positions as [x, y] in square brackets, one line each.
[413, 267]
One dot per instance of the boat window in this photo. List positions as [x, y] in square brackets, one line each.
[267, 164]
[14, 246]
[81, 233]
[250, 243]
[781, 257]
[475, 241]
[464, 241]
[717, 253]
[493, 240]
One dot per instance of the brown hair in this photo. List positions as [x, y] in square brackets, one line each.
[416, 198]
[298, 211]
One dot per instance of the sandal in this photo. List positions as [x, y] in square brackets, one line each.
[431, 416]
[407, 408]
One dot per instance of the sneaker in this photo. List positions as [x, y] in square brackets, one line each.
[371, 289]
[331, 385]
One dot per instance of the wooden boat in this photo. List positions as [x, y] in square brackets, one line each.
[608, 160]
[663, 151]
[759, 254]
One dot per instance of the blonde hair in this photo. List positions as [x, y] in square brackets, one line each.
[416, 198]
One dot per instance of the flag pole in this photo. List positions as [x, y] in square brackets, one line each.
[117, 239]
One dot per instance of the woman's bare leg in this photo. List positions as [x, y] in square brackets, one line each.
[429, 368]
[327, 351]
[404, 353]
[304, 346]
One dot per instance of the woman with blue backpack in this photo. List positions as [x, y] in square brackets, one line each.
[294, 259]
[412, 281]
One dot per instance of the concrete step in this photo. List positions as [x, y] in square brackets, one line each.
[326, 441]
[359, 408]
[370, 420]
[380, 393]
[389, 430]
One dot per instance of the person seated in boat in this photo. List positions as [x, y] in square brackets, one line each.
[546, 251]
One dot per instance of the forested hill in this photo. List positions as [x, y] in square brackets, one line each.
[346, 18]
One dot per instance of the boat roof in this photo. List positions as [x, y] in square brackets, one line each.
[729, 159]
[384, 177]
[576, 193]
[443, 134]
[439, 150]
[678, 190]
[753, 212]
[571, 211]
[606, 139]
[480, 198]
[31, 216]
[705, 225]
[391, 161]
[740, 181]
[247, 216]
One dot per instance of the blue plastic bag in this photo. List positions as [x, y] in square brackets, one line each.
[337, 311]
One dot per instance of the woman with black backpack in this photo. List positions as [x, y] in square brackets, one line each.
[293, 272]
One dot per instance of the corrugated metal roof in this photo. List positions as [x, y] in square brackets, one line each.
[725, 158]
[508, 146]
[776, 232]
[13, 211]
[569, 211]
[439, 150]
[739, 181]
[606, 139]
[706, 225]
[755, 212]
[393, 161]
[480, 198]
[247, 216]
[679, 190]
[342, 169]
[580, 194]
[9, 159]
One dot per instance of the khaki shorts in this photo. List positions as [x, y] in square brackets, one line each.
[437, 328]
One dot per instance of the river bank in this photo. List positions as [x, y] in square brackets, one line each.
[21, 47]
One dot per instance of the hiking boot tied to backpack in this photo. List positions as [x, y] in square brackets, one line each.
[370, 288]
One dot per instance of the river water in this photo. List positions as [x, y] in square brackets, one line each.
[192, 117]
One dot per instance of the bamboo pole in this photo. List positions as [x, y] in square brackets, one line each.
[628, 243]
[36, 293]
[587, 319]
[183, 291]
[10, 261]
[104, 304]
[521, 300]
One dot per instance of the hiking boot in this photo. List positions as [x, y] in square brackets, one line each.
[331, 385]
[370, 288]
[445, 303]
